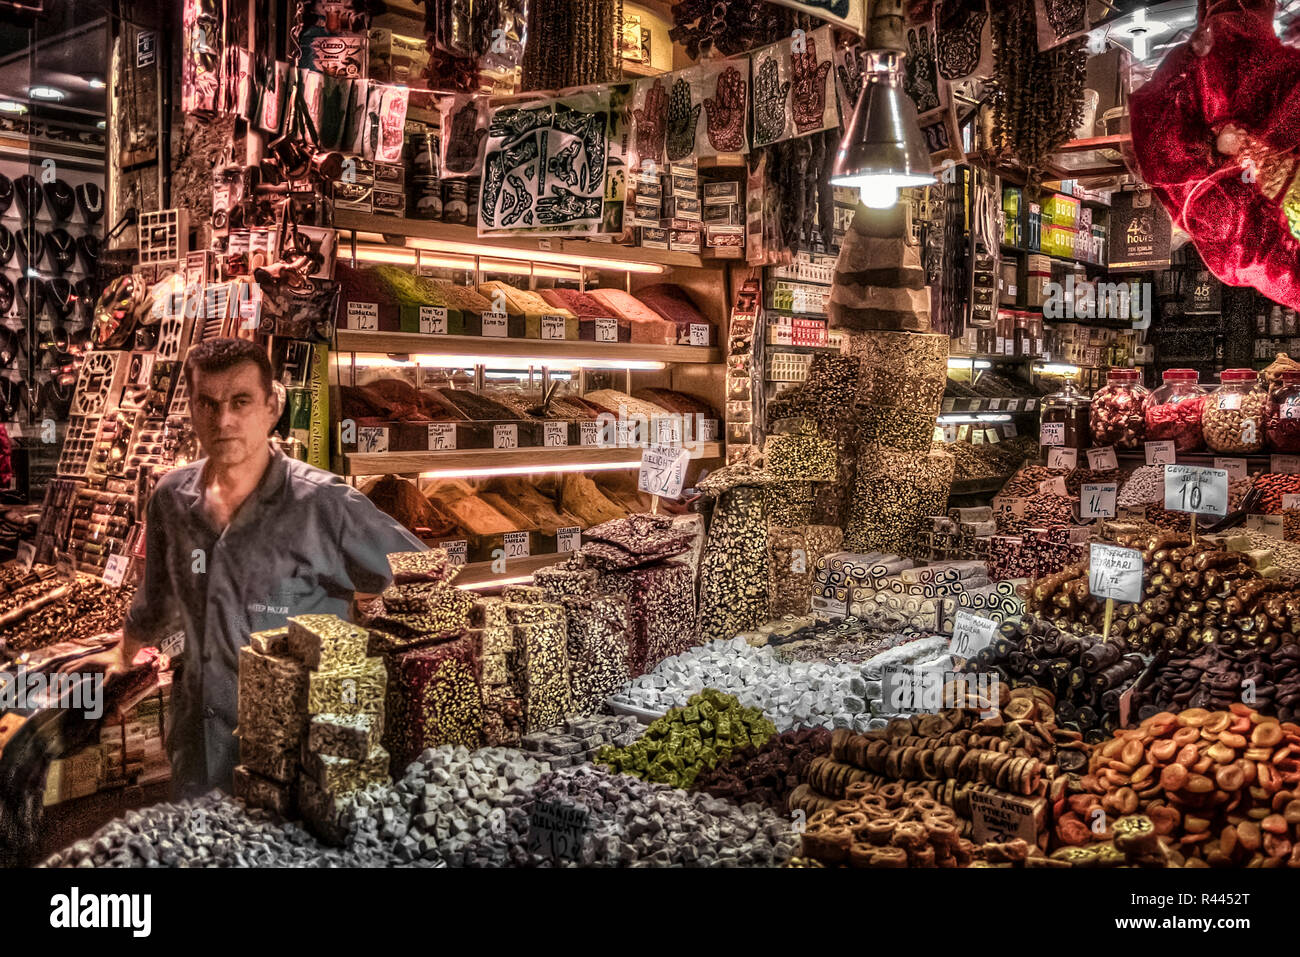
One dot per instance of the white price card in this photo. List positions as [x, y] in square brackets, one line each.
[372, 438]
[115, 570]
[607, 330]
[1160, 452]
[433, 320]
[668, 430]
[1053, 486]
[1291, 407]
[971, 634]
[1053, 433]
[552, 327]
[568, 539]
[173, 644]
[1058, 458]
[442, 436]
[709, 430]
[999, 817]
[1286, 464]
[555, 434]
[663, 470]
[995, 404]
[1236, 468]
[363, 316]
[516, 545]
[457, 551]
[26, 556]
[589, 433]
[558, 830]
[907, 689]
[1115, 572]
[1103, 459]
[505, 436]
[1011, 431]
[699, 334]
[1291, 501]
[977, 437]
[1190, 488]
[1097, 500]
[496, 325]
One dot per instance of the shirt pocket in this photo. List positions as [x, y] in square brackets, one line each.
[289, 596]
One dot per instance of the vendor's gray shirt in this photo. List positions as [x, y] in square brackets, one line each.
[302, 543]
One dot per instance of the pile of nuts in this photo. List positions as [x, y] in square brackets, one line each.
[1272, 486]
[768, 774]
[1234, 422]
[1146, 486]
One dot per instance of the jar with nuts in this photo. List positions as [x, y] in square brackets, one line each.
[1117, 410]
[1233, 420]
[1282, 413]
[1173, 411]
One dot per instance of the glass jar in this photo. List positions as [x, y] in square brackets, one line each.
[1064, 419]
[1233, 420]
[1117, 410]
[1173, 411]
[1282, 414]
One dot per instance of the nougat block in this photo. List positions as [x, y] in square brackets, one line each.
[277, 761]
[433, 565]
[323, 810]
[356, 690]
[272, 698]
[326, 642]
[340, 775]
[523, 594]
[257, 791]
[272, 642]
[352, 736]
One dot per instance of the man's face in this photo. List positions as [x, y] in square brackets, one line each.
[232, 412]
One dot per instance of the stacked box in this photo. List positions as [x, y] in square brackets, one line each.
[597, 628]
[661, 606]
[355, 689]
[257, 791]
[272, 721]
[325, 642]
[339, 775]
[352, 736]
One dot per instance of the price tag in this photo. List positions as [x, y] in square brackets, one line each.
[1053, 433]
[699, 334]
[963, 433]
[1097, 500]
[1291, 501]
[1013, 405]
[1012, 432]
[1079, 535]
[26, 556]
[589, 433]
[115, 570]
[457, 551]
[993, 436]
[709, 430]
[496, 325]
[1236, 468]
[1161, 452]
[948, 404]
[372, 438]
[970, 634]
[555, 434]
[505, 436]
[910, 690]
[557, 829]
[1115, 572]
[552, 327]
[1229, 401]
[173, 644]
[1287, 464]
[433, 320]
[1126, 704]
[668, 431]
[1053, 486]
[1291, 407]
[1010, 506]
[1103, 459]
[607, 330]
[442, 436]
[516, 544]
[663, 470]
[995, 403]
[998, 816]
[1058, 458]
[568, 539]
[363, 316]
[65, 564]
[977, 437]
[1190, 488]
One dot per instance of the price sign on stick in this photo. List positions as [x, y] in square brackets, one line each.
[1191, 488]
[1102, 459]
[970, 634]
[1097, 500]
[1115, 572]
[663, 470]
[1160, 452]
[1058, 458]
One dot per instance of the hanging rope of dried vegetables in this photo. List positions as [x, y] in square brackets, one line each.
[1037, 97]
[572, 43]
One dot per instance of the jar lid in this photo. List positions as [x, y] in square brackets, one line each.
[1291, 375]
[1123, 374]
[1238, 375]
[1181, 375]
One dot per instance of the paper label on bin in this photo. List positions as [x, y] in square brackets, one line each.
[555, 434]
[607, 330]
[1053, 433]
[568, 539]
[433, 320]
[457, 551]
[1103, 459]
[516, 545]
[1097, 500]
[1115, 572]
[971, 634]
[505, 436]
[663, 470]
[1058, 458]
[1236, 468]
[496, 325]
[552, 327]
[363, 316]
[372, 438]
[442, 436]
[1191, 488]
[115, 570]
[1160, 452]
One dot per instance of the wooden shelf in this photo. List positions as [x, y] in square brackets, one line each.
[411, 463]
[468, 235]
[415, 343]
[633, 68]
[481, 574]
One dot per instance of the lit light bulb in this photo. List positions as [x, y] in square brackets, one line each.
[878, 194]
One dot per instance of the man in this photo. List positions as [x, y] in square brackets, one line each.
[236, 543]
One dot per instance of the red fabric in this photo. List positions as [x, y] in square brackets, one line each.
[1246, 78]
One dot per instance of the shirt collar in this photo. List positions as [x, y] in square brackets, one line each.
[272, 483]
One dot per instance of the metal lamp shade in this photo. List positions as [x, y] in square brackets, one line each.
[883, 140]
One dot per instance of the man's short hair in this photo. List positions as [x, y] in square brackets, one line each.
[218, 355]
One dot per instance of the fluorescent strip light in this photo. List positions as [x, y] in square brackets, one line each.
[1056, 368]
[957, 419]
[993, 417]
[498, 582]
[559, 363]
[960, 362]
[489, 471]
[403, 257]
[537, 255]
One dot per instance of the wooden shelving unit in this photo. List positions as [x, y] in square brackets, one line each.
[414, 343]
[413, 463]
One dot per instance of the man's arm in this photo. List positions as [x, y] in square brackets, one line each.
[367, 537]
[153, 608]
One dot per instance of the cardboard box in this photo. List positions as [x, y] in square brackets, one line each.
[722, 193]
[388, 202]
[684, 240]
[652, 237]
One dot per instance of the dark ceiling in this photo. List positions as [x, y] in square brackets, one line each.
[64, 47]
